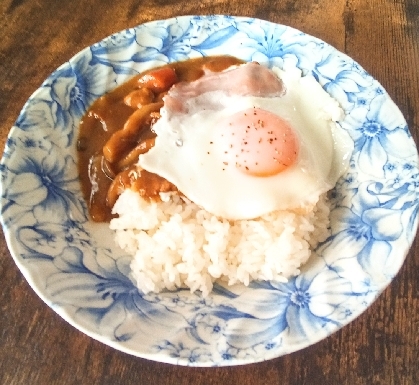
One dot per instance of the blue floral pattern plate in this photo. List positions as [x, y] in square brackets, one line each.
[74, 266]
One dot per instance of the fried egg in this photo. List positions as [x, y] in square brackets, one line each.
[243, 155]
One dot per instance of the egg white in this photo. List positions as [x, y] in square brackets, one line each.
[185, 151]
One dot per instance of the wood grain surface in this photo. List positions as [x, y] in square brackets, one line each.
[38, 347]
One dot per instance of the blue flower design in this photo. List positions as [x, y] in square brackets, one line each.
[44, 241]
[106, 295]
[366, 230]
[164, 43]
[116, 52]
[182, 353]
[401, 189]
[38, 112]
[42, 111]
[266, 44]
[45, 185]
[379, 132]
[76, 86]
[207, 327]
[347, 87]
[349, 84]
[298, 308]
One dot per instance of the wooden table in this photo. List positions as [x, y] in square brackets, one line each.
[38, 347]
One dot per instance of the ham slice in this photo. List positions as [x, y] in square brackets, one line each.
[250, 79]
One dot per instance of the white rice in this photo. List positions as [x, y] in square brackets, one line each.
[175, 243]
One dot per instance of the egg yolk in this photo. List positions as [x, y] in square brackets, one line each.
[257, 142]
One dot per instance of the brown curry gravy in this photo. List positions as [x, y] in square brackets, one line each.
[106, 116]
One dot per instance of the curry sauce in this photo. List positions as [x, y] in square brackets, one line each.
[118, 127]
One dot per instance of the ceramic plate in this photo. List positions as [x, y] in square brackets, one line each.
[74, 266]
